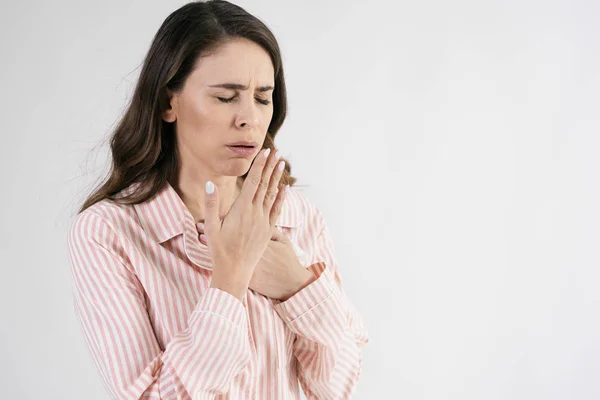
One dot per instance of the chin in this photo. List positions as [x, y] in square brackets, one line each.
[237, 167]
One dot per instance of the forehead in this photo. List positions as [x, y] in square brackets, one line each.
[238, 61]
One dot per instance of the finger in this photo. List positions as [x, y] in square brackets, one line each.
[252, 181]
[203, 238]
[276, 209]
[271, 194]
[211, 202]
[259, 197]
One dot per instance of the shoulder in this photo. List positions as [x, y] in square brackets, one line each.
[102, 220]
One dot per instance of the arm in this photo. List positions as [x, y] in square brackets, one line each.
[330, 332]
[110, 305]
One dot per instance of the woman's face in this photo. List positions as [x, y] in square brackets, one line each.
[210, 117]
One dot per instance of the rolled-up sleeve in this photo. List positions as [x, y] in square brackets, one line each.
[330, 331]
[109, 302]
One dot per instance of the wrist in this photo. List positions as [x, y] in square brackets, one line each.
[301, 280]
[235, 286]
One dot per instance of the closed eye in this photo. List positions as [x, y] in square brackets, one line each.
[230, 99]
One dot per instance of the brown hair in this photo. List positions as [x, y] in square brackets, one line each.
[143, 146]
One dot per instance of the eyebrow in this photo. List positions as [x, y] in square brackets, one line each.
[237, 86]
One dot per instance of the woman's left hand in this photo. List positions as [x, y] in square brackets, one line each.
[279, 274]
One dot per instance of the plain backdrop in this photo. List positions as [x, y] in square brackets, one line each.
[453, 148]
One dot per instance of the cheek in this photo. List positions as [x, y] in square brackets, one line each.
[266, 121]
[205, 118]
[199, 127]
[206, 112]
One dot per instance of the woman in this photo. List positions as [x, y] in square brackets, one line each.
[196, 273]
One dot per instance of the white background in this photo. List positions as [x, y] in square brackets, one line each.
[452, 146]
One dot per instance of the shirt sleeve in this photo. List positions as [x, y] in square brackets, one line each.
[330, 331]
[109, 302]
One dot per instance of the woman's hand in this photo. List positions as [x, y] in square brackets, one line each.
[237, 243]
[279, 274]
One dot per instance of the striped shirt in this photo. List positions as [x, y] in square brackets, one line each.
[155, 328]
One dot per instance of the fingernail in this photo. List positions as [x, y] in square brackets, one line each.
[281, 165]
[200, 225]
[210, 187]
[203, 237]
[277, 155]
[267, 152]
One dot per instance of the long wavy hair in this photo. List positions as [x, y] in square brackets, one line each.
[143, 146]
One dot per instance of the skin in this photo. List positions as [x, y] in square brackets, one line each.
[239, 218]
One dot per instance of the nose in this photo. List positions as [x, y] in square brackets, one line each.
[248, 115]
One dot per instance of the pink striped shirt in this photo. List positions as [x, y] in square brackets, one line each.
[155, 329]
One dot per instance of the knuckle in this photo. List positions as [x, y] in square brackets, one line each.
[211, 203]
[255, 180]
[270, 195]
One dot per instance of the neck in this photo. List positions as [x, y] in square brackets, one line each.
[190, 186]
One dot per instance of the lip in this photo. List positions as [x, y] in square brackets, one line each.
[244, 143]
[242, 151]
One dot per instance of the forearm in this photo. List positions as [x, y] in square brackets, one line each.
[330, 336]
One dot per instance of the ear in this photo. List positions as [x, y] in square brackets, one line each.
[170, 114]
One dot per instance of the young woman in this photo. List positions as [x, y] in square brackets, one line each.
[198, 273]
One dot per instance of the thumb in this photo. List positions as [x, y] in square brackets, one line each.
[211, 202]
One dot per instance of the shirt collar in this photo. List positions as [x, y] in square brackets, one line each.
[165, 216]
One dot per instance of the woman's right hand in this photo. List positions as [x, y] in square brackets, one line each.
[237, 243]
